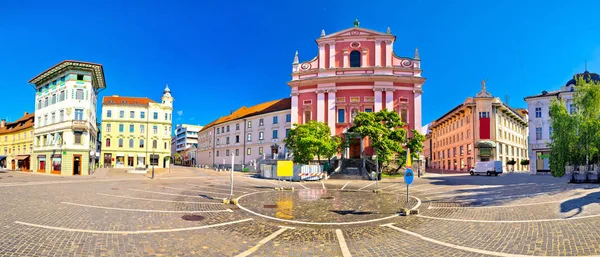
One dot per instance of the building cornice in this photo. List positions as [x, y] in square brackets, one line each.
[356, 78]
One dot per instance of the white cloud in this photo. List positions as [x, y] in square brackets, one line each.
[179, 113]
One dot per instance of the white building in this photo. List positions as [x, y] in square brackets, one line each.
[65, 132]
[540, 128]
[251, 134]
[186, 136]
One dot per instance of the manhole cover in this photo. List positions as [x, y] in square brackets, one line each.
[191, 217]
[270, 206]
[327, 197]
[114, 188]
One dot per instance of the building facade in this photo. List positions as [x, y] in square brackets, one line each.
[186, 136]
[65, 131]
[356, 70]
[137, 131]
[16, 143]
[482, 128]
[540, 127]
[250, 134]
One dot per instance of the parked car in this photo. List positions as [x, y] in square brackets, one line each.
[489, 168]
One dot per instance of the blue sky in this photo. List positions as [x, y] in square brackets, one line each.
[220, 55]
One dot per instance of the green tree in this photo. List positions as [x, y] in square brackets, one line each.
[576, 136]
[388, 136]
[524, 162]
[312, 139]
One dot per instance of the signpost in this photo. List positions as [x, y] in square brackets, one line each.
[408, 175]
[285, 169]
[231, 175]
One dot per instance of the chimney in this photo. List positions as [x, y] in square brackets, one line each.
[25, 114]
[3, 123]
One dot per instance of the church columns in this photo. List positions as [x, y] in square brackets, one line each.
[320, 105]
[378, 100]
[389, 99]
[389, 50]
[377, 53]
[331, 110]
[346, 59]
[294, 110]
[322, 56]
[364, 58]
[332, 55]
[417, 107]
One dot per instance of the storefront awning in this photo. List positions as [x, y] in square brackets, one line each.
[141, 155]
[22, 157]
[2, 157]
[120, 155]
[485, 144]
[130, 155]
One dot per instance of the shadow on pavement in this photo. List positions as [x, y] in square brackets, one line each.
[579, 203]
[500, 190]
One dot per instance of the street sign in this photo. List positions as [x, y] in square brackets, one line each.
[285, 168]
[409, 176]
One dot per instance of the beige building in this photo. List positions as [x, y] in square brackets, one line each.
[16, 143]
[482, 128]
[136, 132]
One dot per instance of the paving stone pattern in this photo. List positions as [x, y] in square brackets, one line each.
[83, 216]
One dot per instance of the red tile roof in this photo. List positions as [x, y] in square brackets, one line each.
[108, 100]
[24, 122]
[244, 112]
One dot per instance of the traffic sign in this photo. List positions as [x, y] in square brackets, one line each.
[409, 176]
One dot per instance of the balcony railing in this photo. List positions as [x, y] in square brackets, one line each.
[79, 125]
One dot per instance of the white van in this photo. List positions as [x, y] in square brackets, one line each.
[489, 168]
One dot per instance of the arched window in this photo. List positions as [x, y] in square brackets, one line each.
[141, 143]
[131, 143]
[120, 142]
[154, 144]
[355, 58]
[108, 142]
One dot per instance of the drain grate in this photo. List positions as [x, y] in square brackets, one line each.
[327, 197]
[270, 206]
[192, 217]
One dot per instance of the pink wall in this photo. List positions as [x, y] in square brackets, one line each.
[301, 98]
[340, 46]
[383, 50]
[409, 95]
[326, 57]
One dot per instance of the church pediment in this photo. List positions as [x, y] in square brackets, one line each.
[354, 32]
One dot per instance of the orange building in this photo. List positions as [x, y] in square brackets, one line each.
[482, 128]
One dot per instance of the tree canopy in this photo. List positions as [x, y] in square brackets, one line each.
[388, 136]
[312, 139]
[576, 136]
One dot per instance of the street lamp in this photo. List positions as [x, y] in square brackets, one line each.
[152, 163]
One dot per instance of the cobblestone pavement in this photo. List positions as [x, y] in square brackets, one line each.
[181, 213]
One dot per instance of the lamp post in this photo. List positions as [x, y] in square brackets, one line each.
[152, 163]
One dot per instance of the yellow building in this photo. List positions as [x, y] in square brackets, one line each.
[16, 143]
[136, 132]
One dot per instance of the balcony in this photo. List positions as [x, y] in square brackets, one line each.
[79, 125]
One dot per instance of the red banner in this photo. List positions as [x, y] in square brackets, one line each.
[484, 128]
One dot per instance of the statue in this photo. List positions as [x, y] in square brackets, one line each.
[483, 85]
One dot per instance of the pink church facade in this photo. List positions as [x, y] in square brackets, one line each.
[356, 70]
